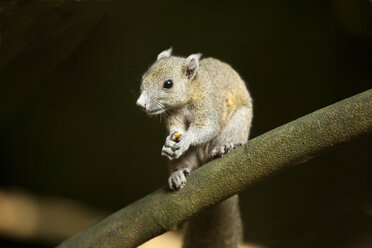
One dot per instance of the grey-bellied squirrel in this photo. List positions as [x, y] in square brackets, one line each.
[208, 112]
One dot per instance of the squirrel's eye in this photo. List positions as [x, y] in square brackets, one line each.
[168, 84]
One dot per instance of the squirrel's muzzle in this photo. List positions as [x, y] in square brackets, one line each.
[141, 102]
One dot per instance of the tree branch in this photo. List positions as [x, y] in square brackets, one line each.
[291, 144]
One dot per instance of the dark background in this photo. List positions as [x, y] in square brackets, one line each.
[70, 73]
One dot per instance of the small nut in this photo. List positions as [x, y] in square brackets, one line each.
[176, 137]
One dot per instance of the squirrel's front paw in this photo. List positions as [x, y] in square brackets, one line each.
[175, 147]
[178, 179]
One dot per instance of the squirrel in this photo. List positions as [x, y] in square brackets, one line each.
[208, 112]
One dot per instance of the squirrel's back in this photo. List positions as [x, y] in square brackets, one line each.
[222, 85]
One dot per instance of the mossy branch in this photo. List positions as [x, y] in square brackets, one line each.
[288, 145]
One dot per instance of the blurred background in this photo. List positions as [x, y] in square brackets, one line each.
[74, 147]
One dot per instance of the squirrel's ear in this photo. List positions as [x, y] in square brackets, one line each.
[192, 65]
[165, 54]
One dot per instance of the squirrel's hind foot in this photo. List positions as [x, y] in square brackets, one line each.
[220, 151]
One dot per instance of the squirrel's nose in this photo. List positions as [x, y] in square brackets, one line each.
[141, 102]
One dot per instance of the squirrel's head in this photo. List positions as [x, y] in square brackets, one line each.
[165, 85]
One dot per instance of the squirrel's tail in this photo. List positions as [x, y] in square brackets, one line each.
[219, 227]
